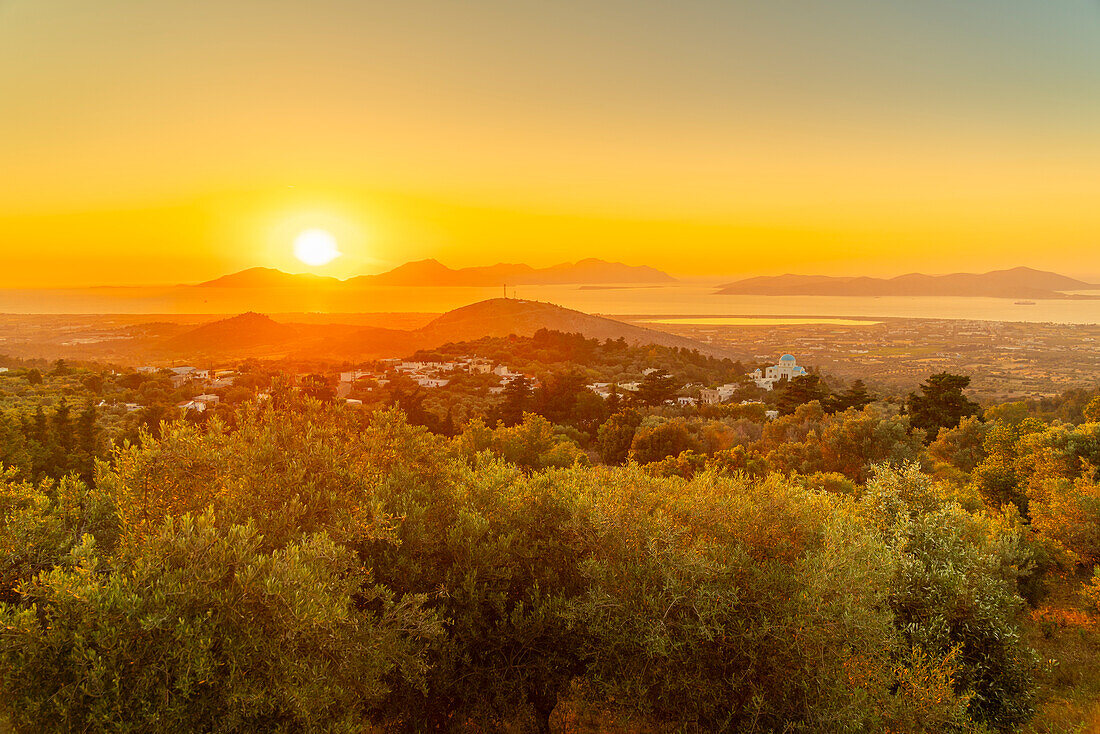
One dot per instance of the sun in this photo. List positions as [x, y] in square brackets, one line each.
[315, 247]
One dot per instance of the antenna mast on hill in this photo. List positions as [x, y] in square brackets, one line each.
[505, 290]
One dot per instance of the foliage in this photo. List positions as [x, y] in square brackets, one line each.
[962, 446]
[608, 361]
[41, 525]
[855, 397]
[294, 471]
[851, 442]
[955, 591]
[201, 625]
[318, 387]
[721, 605]
[534, 444]
[657, 388]
[1091, 591]
[800, 391]
[51, 445]
[797, 574]
[517, 400]
[1068, 512]
[668, 438]
[940, 404]
[616, 435]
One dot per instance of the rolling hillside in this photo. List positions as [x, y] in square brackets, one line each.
[255, 335]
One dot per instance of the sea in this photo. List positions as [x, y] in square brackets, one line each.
[683, 302]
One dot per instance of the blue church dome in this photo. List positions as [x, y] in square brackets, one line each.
[787, 358]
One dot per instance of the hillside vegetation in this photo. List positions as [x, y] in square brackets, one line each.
[306, 567]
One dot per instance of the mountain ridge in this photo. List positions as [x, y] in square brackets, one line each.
[432, 273]
[1019, 282]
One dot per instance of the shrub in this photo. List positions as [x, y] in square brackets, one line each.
[40, 525]
[955, 593]
[200, 625]
[668, 438]
[1068, 512]
[718, 605]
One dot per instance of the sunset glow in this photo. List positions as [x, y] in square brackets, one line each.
[511, 365]
[705, 138]
[315, 247]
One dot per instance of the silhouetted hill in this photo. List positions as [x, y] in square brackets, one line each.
[593, 270]
[1015, 283]
[504, 316]
[497, 317]
[428, 273]
[434, 273]
[255, 335]
[417, 273]
[268, 278]
[239, 332]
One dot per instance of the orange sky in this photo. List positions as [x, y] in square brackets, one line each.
[161, 142]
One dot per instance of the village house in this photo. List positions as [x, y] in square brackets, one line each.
[355, 375]
[507, 378]
[479, 366]
[603, 389]
[715, 395]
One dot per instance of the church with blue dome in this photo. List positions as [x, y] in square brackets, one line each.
[788, 368]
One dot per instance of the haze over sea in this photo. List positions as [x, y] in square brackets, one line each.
[679, 299]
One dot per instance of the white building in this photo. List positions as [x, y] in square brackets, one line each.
[354, 375]
[480, 366]
[788, 368]
[715, 395]
[410, 367]
[603, 389]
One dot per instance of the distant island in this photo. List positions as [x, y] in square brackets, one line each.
[432, 273]
[1023, 283]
